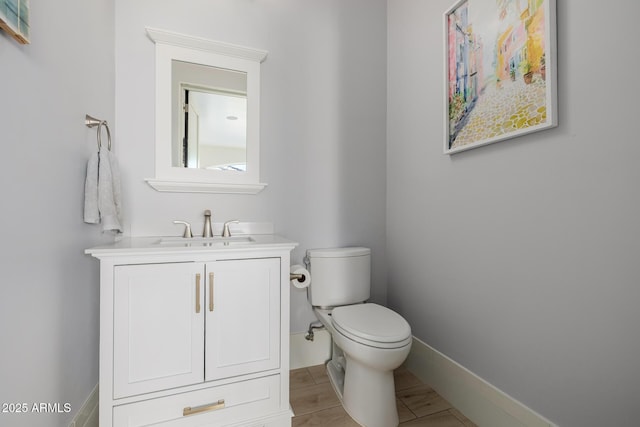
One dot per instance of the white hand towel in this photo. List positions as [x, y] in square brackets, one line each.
[108, 195]
[91, 213]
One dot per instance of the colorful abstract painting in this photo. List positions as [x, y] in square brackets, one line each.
[14, 19]
[500, 71]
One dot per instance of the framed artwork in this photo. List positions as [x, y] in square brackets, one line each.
[14, 19]
[500, 70]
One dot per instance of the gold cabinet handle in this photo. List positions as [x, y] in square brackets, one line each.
[198, 293]
[204, 408]
[210, 291]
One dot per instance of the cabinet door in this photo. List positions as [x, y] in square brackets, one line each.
[243, 317]
[158, 327]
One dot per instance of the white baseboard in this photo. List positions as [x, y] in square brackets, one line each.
[87, 416]
[303, 353]
[478, 400]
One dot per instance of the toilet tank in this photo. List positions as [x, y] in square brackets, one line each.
[339, 276]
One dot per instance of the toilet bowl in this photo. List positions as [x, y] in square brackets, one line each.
[369, 341]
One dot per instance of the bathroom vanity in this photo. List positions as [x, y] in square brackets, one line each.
[194, 332]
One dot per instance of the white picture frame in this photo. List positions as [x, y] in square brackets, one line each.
[500, 71]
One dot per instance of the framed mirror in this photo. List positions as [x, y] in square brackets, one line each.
[207, 115]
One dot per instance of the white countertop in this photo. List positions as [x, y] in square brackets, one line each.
[178, 245]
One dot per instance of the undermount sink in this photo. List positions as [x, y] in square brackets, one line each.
[206, 241]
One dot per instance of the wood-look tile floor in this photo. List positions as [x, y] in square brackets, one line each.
[315, 403]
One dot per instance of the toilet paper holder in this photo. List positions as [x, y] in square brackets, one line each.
[299, 277]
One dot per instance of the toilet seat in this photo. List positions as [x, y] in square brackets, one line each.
[372, 324]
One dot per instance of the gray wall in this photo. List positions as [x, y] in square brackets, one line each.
[48, 287]
[519, 260]
[322, 122]
[323, 156]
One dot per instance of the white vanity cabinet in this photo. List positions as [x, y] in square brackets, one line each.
[194, 335]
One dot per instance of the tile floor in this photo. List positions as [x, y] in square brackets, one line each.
[315, 403]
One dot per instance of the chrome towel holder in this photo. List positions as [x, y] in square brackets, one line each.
[91, 122]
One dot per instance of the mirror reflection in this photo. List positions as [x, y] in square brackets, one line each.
[210, 116]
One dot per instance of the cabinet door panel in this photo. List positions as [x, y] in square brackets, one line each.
[243, 329]
[158, 331]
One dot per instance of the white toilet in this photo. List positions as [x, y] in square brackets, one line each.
[369, 340]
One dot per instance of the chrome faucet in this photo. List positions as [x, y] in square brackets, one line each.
[207, 224]
[225, 229]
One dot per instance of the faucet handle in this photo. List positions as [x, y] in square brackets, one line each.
[187, 228]
[225, 229]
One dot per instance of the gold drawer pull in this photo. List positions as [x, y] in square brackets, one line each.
[210, 291]
[198, 293]
[204, 408]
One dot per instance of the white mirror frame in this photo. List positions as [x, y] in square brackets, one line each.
[174, 46]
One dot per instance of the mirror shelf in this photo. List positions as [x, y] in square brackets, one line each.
[176, 186]
[219, 63]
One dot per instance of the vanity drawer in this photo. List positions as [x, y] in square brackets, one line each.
[216, 406]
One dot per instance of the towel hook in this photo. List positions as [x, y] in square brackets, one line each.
[93, 122]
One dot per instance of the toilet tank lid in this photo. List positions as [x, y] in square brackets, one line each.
[338, 252]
